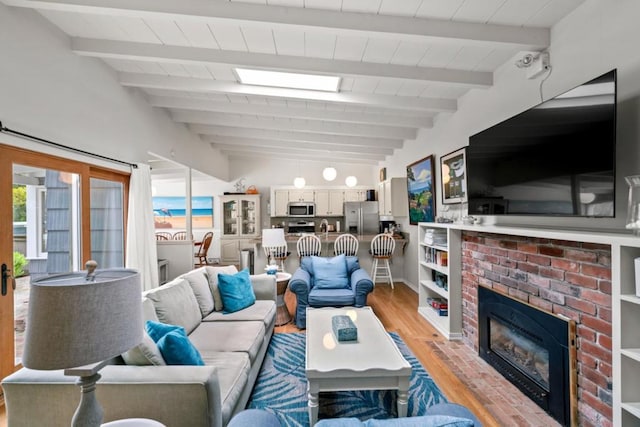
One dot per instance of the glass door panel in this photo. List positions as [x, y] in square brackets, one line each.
[248, 210]
[230, 218]
[46, 233]
[107, 222]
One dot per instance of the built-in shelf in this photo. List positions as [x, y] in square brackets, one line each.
[630, 298]
[450, 325]
[633, 408]
[632, 353]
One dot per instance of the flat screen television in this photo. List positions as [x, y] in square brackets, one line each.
[557, 158]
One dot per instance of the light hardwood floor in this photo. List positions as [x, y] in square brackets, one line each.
[398, 311]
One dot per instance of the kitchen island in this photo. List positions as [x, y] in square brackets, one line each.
[328, 239]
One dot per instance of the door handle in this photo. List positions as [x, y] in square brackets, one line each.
[5, 277]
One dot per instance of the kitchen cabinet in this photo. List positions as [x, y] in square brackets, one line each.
[279, 203]
[439, 278]
[240, 223]
[355, 195]
[305, 195]
[393, 197]
[329, 202]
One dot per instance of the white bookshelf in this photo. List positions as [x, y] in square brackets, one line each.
[450, 325]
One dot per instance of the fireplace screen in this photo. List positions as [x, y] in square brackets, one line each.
[521, 351]
[533, 349]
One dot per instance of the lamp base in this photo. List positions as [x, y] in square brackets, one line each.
[89, 412]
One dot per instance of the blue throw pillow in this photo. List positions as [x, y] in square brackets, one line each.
[157, 330]
[176, 349]
[236, 291]
[330, 273]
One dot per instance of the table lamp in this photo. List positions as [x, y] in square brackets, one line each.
[273, 238]
[77, 322]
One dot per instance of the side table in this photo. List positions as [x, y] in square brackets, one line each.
[282, 312]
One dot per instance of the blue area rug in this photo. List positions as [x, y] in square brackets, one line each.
[281, 388]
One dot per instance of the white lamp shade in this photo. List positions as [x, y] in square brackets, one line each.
[273, 237]
[74, 322]
[351, 181]
[329, 174]
[299, 182]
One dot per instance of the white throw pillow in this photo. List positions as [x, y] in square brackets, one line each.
[145, 353]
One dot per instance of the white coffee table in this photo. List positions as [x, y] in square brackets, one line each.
[371, 363]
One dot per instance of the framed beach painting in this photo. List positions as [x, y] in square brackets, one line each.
[453, 167]
[170, 212]
[421, 189]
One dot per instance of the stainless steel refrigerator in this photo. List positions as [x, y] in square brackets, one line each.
[361, 217]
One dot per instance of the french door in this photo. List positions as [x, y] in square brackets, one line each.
[55, 214]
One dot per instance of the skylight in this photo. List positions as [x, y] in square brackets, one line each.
[288, 80]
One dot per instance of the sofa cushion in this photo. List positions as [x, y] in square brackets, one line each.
[244, 336]
[331, 297]
[261, 310]
[148, 310]
[232, 372]
[199, 282]
[236, 291]
[176, 304]
[330, 273]
[212, 275]
[176, 349]
[145, 353]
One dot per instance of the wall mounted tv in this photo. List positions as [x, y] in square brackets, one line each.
[557, 158]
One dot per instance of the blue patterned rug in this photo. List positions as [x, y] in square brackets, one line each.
[281, 388]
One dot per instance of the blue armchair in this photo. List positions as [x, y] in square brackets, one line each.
[329, 282]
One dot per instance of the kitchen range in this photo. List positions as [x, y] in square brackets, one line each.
[298, 228]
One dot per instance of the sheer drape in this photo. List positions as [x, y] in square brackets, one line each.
[141, 241]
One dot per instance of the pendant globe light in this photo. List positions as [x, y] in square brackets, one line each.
[329, 173]
[299, 182]
[351, 181]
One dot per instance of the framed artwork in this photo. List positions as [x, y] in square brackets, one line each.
[170, 212]
[383, 174]
[421, 189]
[453, 168]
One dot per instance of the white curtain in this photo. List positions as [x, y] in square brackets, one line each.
[141, 240]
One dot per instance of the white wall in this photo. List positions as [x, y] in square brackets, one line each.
[50, 92]
[597, 37]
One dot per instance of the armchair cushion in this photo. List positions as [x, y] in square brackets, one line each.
[330, 273]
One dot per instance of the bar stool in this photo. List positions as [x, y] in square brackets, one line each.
[382, 247]
[309, 245]
[346, 244]
[274, 245]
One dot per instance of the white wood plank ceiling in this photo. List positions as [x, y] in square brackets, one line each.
[401, 61]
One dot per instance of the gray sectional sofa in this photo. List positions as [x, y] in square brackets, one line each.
[232, 346]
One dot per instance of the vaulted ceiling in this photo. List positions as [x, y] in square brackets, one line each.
[402, 62]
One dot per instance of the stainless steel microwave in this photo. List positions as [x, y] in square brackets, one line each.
[301, 209]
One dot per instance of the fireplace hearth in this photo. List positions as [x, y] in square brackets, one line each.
[533, 349]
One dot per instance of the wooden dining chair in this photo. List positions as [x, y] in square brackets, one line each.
[346, 244]
[163, 235]
[203, 248]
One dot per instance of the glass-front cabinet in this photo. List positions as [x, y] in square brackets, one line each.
[240, 224]
[240, 216]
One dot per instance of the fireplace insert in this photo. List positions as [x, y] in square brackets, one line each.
[533, 349]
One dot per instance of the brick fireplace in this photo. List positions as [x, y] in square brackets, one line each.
[569, 278]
